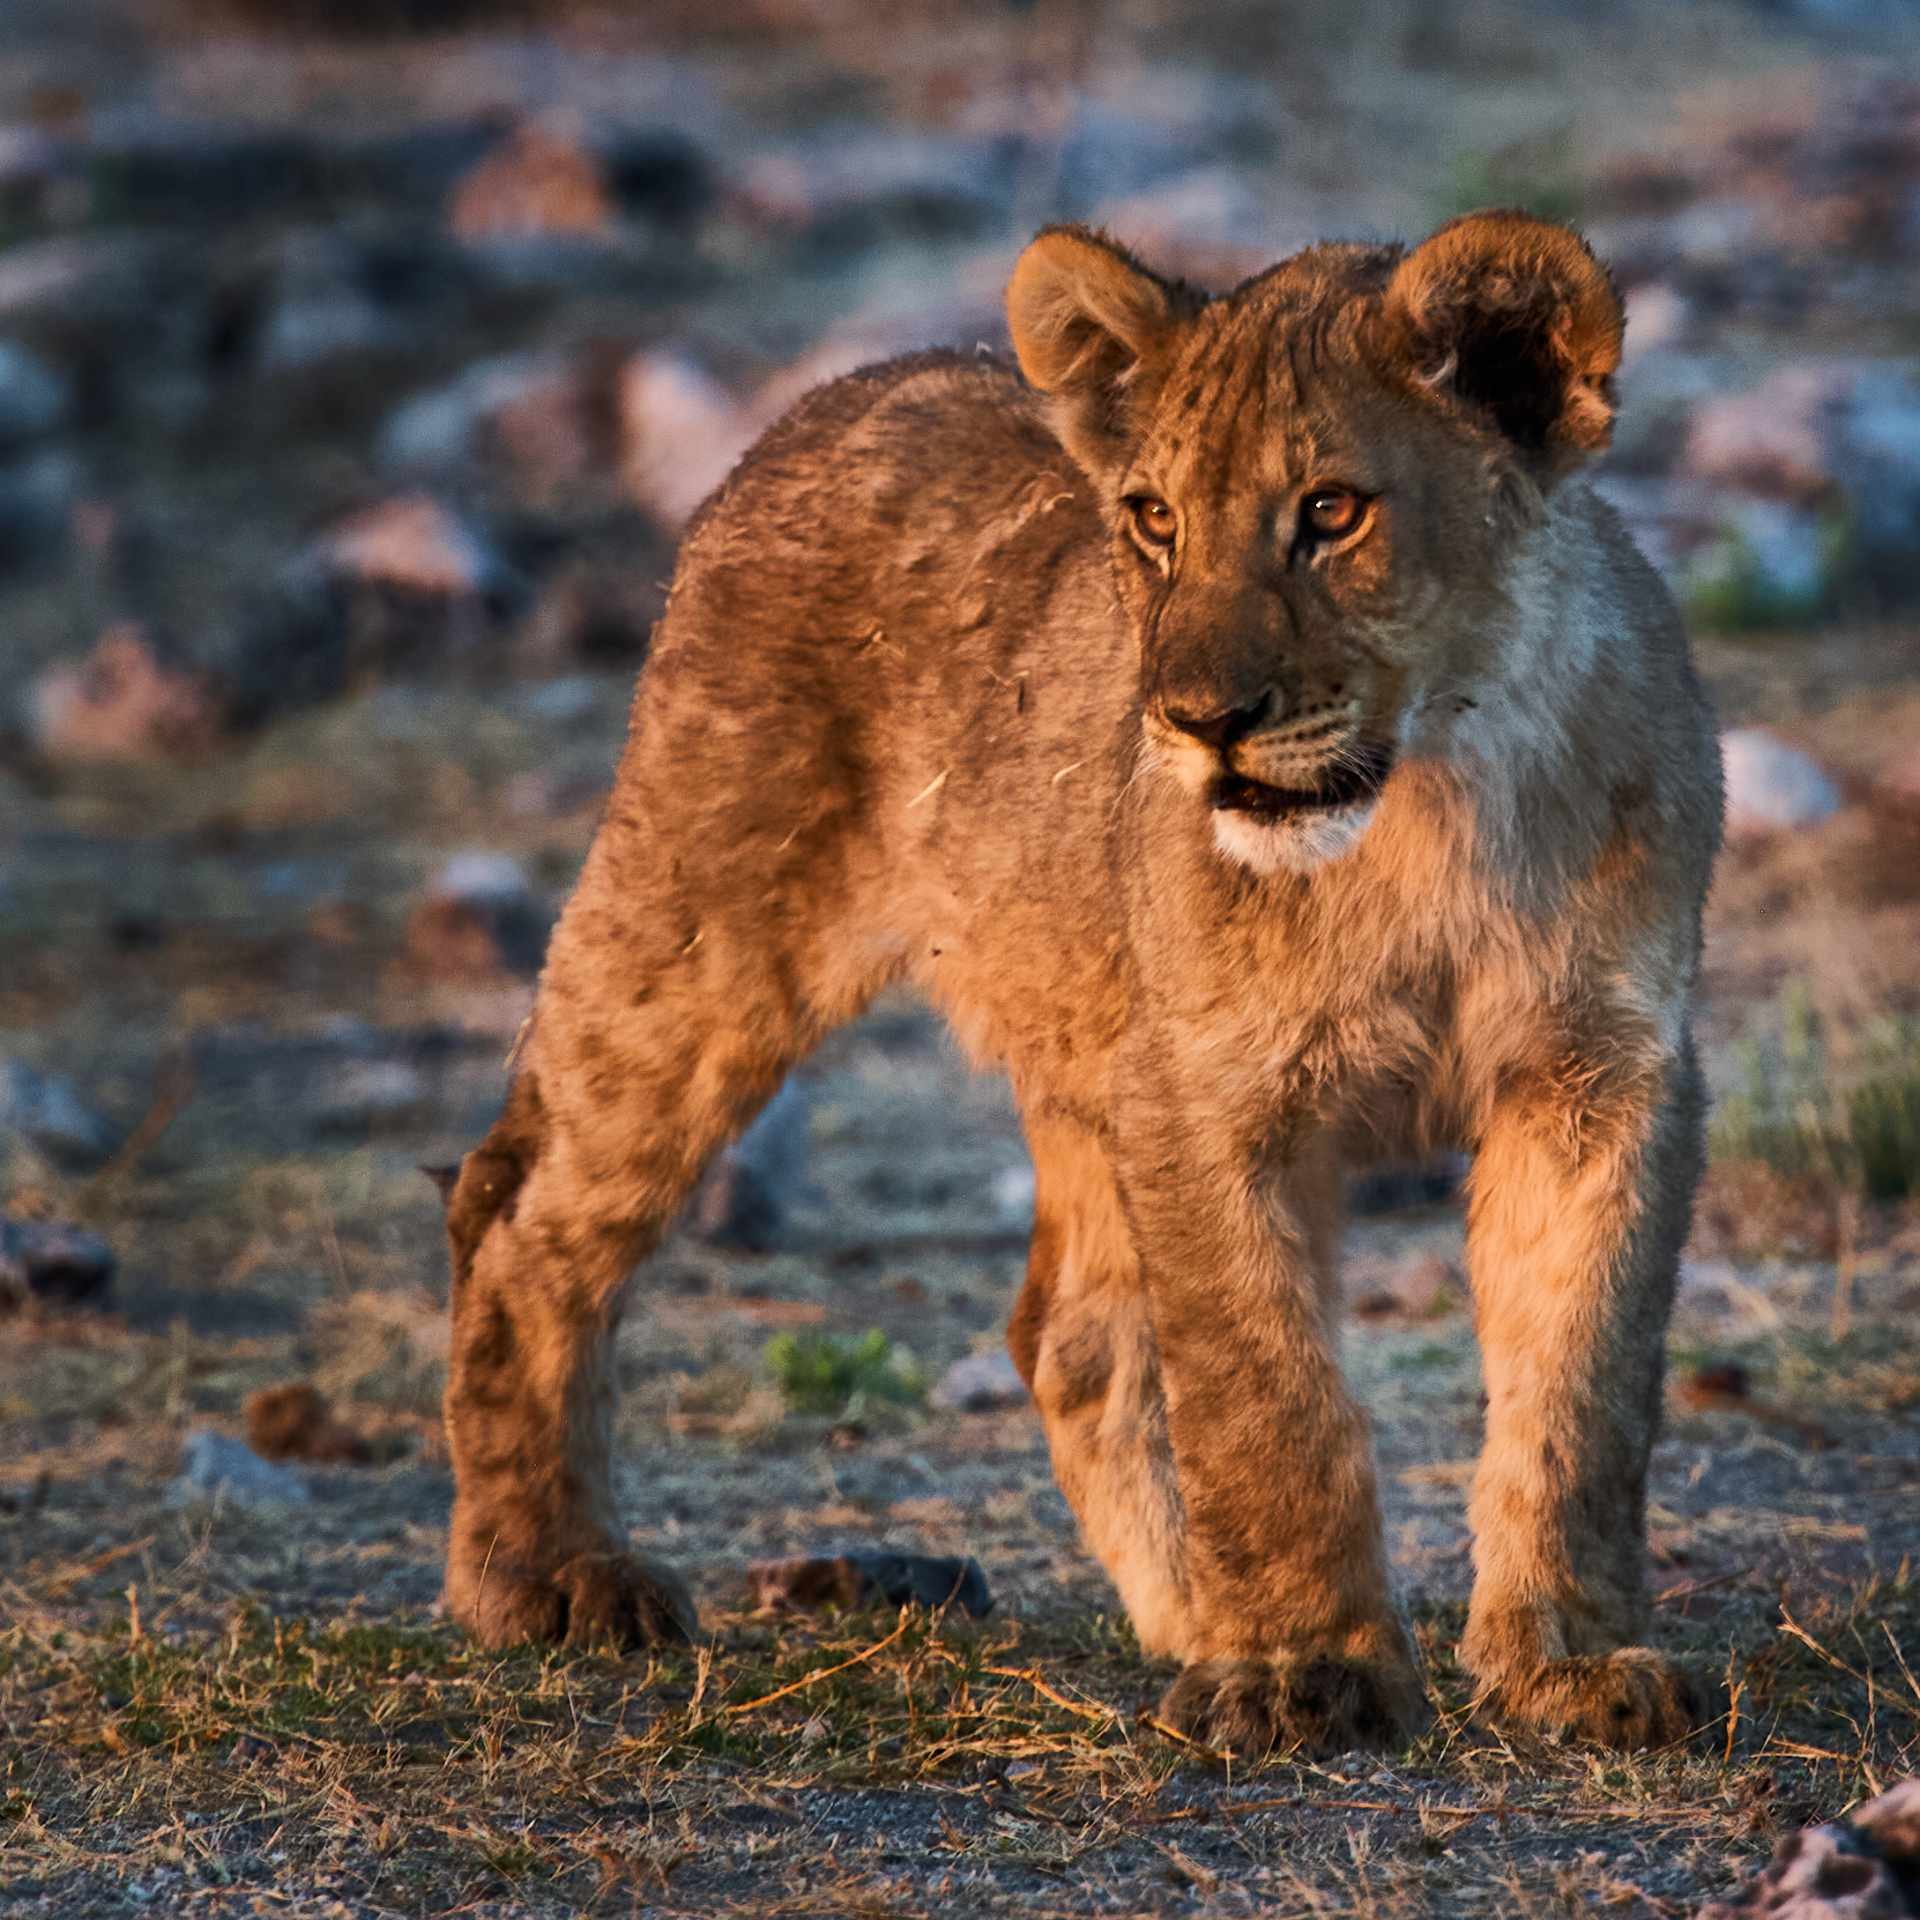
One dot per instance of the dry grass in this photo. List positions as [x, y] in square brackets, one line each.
[159, 1753]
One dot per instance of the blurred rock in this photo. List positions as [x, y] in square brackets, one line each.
[30, 173]
[1865, 1867]
[1776, 439]
[656, 173]
[1660, 319]
[1106, 152]
[34, 400]
[480, 918]
[598, 606]
[55, 1262]
[1211, 225]
[1881, 455]
[1898, 782]
[1011, 1192]
[219, 1471]
[986, 1382]
[680, 434]
[1819, 466]
[531, 414]
[296, 1422]
[1400, 1186]
[37, 496]
[1658, 396]
[847, 193]
[409, 585]
[414, 544]
[1829, 168]
[319, 313]
[123, 702]
[863, 1576]
[364, 1096]
[1771, 786]
[51, 1116]
[541, 181]
[749, 1193]
[1418, 1287]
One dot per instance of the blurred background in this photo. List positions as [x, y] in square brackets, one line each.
[360, 361]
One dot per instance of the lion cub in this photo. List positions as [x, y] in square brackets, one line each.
[1250, 732]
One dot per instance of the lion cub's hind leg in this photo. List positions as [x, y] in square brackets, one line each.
[698, 960]
[537, 1549]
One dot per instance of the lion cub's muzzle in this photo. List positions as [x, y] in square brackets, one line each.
[1356, 773]
[1252, 760]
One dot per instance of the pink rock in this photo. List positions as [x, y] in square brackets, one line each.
[680, 433]
[1776, 439]
[122, 702]
[542, 181]
[1899, 780]
[415, 544]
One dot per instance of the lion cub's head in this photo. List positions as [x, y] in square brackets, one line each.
[1315, 487]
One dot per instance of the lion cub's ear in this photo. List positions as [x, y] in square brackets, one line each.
[1515, 317]
[1089, 324]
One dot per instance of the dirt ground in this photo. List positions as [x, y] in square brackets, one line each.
[213, 1711]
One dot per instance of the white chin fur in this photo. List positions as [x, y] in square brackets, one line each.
[1296, 845]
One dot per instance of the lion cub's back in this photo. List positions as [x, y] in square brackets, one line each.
[894, 455]
[898, 550]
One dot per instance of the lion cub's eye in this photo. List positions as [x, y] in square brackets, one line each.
[1328, 513]
[1153, 520]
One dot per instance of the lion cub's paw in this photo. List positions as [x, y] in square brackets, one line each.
[1252, 1707]
[1628, 1700]
[593, 1599]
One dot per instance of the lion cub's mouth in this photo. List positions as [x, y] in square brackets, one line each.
[1358, 776]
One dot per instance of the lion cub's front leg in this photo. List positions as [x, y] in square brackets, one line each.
[1579, 1208]
[1290, 1633]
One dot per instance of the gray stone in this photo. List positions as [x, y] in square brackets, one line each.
[478, 876]
[1011, 1191]
[1882, 464]
[749, 1194]
[480, 917]
[447, 425]
[50, 1115]
[986, 1382]
[1401, 1186]
[362, 1096]
[219, 1471]
[53, 1261]
[34, 400]
[1771, 786]
[862, 1576]
[37, 494]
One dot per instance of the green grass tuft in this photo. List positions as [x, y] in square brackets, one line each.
[828, 1374]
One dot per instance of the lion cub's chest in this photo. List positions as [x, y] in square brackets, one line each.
[1364, 1001]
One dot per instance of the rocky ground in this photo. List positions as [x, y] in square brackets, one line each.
[352, 392]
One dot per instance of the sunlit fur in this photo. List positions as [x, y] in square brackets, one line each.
[922, 709]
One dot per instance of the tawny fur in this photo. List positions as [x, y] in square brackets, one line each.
[924, 707]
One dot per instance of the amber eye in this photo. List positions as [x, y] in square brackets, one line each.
[1153, 520]
[1327, 513]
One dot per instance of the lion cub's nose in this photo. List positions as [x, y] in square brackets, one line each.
[1221, 728]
